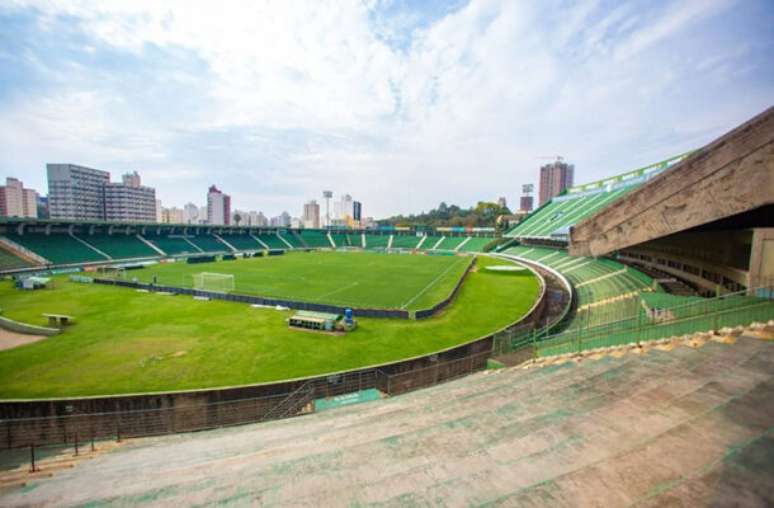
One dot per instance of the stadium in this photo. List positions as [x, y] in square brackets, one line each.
[621, 319]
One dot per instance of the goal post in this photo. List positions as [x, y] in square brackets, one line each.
[112, 272]
[218, 282]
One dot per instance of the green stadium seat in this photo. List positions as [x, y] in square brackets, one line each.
[242, 242]
[451, 242]
[315, 239]
[430, 242]
[9, 261]
[119, 245]
[476, 244]
[172, 245]
[209, 243]
[405, 241]
[377, 241]
[272, 241]
[341, 240]
[58, 247]
[292, 238]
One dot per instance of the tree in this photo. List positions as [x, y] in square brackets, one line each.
[237, 218]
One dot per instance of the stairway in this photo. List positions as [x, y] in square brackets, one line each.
[689, 426]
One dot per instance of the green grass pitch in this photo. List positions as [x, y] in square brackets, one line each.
[358, 279]
[129, 342]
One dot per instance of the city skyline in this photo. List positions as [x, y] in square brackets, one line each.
[436, 101]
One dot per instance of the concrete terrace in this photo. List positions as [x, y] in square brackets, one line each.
[688, 427]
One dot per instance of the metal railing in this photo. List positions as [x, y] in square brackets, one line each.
[711, 314]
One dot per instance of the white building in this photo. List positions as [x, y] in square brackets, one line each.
[344, 208]
[311, 216]
[76, 192]
[159, 211]
[284, 220]
[259, 220]
[218, 207]
[130, 201]
[16, 201]
[172, 215]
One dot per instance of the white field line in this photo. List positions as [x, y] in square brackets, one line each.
[431, 284]
[339, 290]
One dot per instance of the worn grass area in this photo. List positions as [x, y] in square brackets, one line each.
[124, 341]
[358, 279]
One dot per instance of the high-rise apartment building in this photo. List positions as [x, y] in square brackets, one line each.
[554, 178]
[16, 201]
[343, 209]
[284, 220]
[218, 207]
[76, 192]
[357, 211]
[159, 211]
[172, 215]
[81, 193]
[130, 201]
[259, 219]
[311, 217]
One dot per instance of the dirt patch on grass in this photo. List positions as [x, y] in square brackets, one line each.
[10, 340]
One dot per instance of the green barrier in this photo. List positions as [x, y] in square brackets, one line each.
[347, 399]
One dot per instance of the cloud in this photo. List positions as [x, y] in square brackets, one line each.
[401, 104]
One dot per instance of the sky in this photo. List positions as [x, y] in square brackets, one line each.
[402, 104]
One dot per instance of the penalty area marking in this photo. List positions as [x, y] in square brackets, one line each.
[431, 284]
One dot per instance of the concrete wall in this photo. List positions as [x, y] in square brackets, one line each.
[762, 258]
[708, 260]
[731, 175]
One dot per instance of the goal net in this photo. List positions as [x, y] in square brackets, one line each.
[220, 282]
[112, 272]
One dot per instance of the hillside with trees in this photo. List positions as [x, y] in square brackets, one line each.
[484, 214]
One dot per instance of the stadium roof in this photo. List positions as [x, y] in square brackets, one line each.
[554, 219]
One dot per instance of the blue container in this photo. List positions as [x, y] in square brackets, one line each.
[348, 316]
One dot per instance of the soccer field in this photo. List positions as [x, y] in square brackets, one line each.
[358, 279]
[129, 342]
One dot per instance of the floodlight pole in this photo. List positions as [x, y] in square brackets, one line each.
[327, 195]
